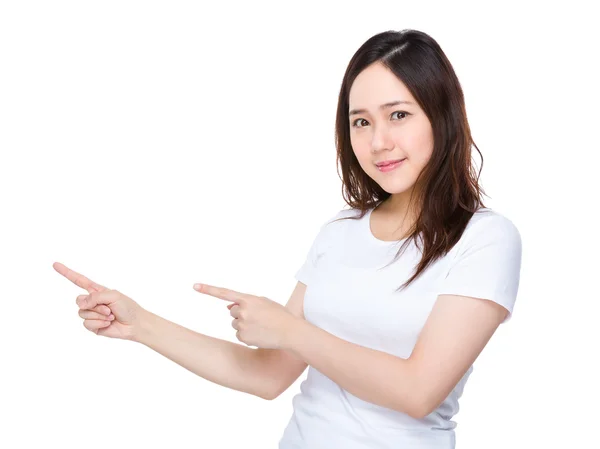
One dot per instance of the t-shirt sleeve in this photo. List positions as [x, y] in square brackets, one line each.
[306, 272]
[488, 265]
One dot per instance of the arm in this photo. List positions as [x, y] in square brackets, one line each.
[261, 372]
[446, 348]
[219, 361]
[284, 365]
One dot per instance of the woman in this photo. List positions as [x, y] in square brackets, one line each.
[388, 362]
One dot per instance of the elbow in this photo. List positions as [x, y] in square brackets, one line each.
[269, 397]
[418, 405]
[420, 411]
[413, 407]
[421, 396]
[416, 411]
[270, 394]
[424, 406]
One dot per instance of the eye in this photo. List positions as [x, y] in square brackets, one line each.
[400, 112]
[355, 125]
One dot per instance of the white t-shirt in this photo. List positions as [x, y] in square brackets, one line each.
[351, 294]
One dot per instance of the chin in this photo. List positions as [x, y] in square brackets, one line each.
[395, 187]
[397, 191]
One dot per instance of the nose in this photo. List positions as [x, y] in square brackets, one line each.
[382, 139]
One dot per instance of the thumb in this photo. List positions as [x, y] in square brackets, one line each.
[92, 300]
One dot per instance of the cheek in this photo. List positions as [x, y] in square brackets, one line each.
[419, 147]
[361, 149]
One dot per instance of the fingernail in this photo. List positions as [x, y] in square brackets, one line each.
[197, 286]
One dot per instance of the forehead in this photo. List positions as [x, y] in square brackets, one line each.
[376, 85]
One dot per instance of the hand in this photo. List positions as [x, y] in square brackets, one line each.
[259, 321]
[105, 312]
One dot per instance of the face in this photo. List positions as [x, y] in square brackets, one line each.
[380, 131]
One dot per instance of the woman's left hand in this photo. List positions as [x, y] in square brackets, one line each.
[259, 321]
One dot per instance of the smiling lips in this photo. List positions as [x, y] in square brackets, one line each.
[387, 166]
[392, 161]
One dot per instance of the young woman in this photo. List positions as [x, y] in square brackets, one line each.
[399, 294]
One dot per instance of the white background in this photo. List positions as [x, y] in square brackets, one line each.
[151, 145]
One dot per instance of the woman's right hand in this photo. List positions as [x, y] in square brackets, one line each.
[105, 312]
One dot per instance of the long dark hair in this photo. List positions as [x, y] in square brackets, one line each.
[451, 193]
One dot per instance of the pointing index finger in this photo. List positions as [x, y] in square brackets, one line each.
[222, 293]
[78, 279]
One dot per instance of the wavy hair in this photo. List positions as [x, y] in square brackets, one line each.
[451, 193]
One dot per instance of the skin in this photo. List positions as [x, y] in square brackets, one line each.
[104, 311]
[448, 343]
[259, 321]
[394, 132]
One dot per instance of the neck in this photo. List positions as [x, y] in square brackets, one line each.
[398, 204]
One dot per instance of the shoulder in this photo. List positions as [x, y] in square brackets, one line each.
[335, 224]
[489, 220]
[488, 226]
[338, 216]
[341, 214]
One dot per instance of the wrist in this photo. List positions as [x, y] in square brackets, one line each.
[294, 332]
[145, 324]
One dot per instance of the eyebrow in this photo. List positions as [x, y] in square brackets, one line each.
[383, 106]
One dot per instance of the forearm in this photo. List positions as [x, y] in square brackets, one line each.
[219, 361]
[371, 375]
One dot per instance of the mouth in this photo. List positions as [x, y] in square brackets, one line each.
[389, 165]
